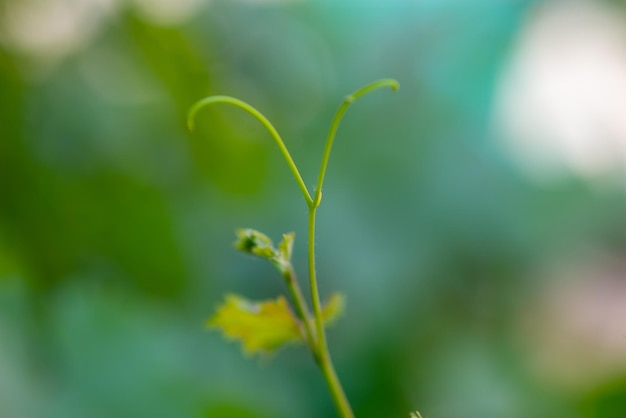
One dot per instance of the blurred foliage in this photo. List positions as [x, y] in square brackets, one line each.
[116, 224]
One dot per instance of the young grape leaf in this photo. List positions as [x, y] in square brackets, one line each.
[259, 326]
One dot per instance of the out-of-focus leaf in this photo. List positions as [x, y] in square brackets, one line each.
[260, 326]
[333, 308]
[266, 325]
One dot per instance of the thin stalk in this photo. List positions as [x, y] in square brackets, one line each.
[324, 360]
[303, 310]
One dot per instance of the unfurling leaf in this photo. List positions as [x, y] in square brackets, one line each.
[333, 309]
[260, 326]
[254, 242]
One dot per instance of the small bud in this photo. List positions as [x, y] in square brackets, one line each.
[254, 242]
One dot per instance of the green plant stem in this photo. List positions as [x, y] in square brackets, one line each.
[303, 310]
[324, 360]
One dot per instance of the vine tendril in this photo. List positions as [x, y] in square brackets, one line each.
[265, 122]
[386, 82]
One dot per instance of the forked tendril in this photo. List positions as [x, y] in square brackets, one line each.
[314, 201]
[317, 338]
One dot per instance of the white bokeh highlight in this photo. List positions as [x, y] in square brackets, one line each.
[560, 103]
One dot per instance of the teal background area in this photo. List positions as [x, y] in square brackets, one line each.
[116, 223]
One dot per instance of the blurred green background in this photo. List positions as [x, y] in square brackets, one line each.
[474, 219]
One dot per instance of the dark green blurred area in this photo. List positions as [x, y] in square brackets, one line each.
[116, 223]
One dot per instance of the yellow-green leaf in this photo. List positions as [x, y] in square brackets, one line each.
[259, 326]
